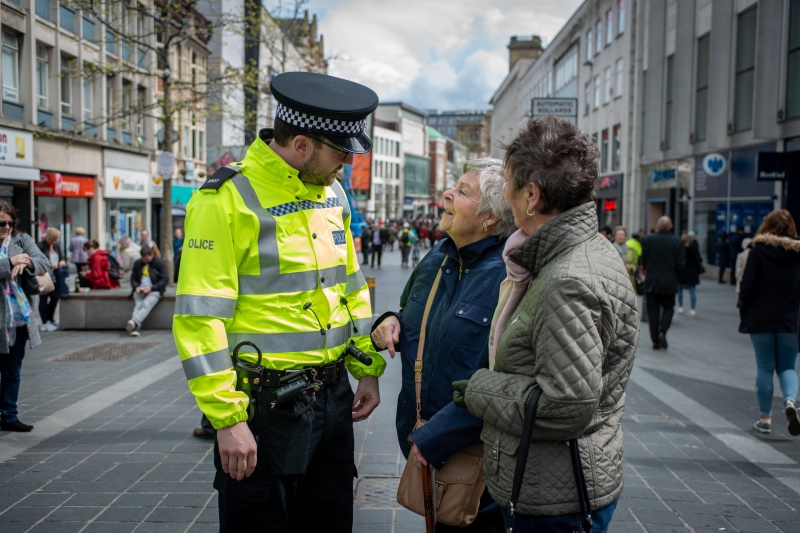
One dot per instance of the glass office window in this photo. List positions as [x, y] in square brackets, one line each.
[701, 91]
[745, 69]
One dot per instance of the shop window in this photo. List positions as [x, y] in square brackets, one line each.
[67, 64]
[620, 17]
[793, 77]
[88, 96]
[668, 101]
[596, 92]
[126, 106]
[42, 80]
[10, 66]
[609, 87]
[616, 150]
[701, 92]
[618, 85]
[566, 74]
[745, 69]
[599, 37]
[604, 152]
[201, 145]
[609, 26]
[589, 45]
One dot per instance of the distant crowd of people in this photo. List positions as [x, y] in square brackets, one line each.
[411, 236]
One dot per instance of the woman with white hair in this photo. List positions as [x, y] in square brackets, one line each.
[690, 276]
[456, 286]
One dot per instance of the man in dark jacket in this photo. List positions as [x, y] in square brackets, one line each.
[663, 257]
[735, 249]
[149, 281]
[723, 256]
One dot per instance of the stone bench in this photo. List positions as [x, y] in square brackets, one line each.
[111, 309]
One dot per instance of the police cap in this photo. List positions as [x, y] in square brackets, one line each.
[330, 107]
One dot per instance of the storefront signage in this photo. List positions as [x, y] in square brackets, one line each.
[777, 166]
[408, 201]
[165, 163]
[609, 205]
[663, 175]
[121, 183]
[16, 148]
[558, 107]
[606, 183]
[56, 184]
[156, 186]
[714, 164]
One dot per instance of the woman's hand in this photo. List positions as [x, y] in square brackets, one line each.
[53, 266]
[419, 456]
[387, 334]
[62, 263]
[17, 270]
[21, 259]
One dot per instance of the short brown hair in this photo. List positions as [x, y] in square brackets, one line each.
[283, 133]
[91, 244]
[146, 250]
[558, 158]
[779, 222]
[11, 211]
[619, 228]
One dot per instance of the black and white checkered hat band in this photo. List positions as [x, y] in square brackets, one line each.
[319, 124]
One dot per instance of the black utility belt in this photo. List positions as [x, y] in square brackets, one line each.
[329, 374]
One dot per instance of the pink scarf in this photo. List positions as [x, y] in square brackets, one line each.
[511, 292]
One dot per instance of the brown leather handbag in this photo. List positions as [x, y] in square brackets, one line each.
[458, 486]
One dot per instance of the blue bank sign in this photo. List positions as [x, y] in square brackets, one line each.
[714, 164]
[663, 175]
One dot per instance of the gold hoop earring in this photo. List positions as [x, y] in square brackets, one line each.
[530, 214]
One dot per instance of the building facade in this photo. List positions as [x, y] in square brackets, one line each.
[413, 184]
[468, 127]
[79, 158]
[387, 170]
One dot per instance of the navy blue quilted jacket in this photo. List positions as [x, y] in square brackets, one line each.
[456, 341]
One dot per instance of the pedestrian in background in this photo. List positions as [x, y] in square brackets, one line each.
[97, 277]
[406, 240]
[769, 300]
[663, 257]
[366, 242]
[149, 281]
[741, 261]
[568, 328]
[145, 240]
[690, 275]
[392, 235]
[607, 233]
[628, 254]
[471, 268]
[177, 250]
[379, 237]
[735, 245]
[129, 253]
[635, 244]
[723, 255]
[77, 254]
[19, 256]
[51, 248]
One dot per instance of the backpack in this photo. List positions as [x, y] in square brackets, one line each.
[404, 237]
[114, 268]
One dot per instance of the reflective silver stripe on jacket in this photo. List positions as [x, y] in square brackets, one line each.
[339, 191]
[355, 281]
[305, 341]
[190, 304]
[207, 363]
[268, 257]
[293, 282]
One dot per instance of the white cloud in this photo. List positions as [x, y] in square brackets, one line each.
[443, 54]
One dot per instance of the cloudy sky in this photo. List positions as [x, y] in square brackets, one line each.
[435, 54]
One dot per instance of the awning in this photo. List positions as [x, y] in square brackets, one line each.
[8, 172]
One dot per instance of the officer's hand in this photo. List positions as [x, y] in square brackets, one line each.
[366, 399]
[387, 334]
[237, 450]
[460, 393]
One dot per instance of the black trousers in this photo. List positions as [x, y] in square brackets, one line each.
[484, 523]
[660, 308]
[404, 251]
[303, 481]
[47, 305]
[377, 251]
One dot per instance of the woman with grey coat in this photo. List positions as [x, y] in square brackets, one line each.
[19, 255]
[567, 324]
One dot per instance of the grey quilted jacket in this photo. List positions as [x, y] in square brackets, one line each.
[574, 335]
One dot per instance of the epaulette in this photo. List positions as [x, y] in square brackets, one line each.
[220, 176]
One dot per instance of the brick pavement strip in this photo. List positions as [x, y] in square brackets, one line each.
[133, 465]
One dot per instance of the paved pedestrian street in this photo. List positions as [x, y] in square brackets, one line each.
[112, 449]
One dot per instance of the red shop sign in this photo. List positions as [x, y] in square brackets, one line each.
[56, 184]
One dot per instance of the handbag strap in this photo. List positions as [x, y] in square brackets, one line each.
[421, 347]
[522, 458]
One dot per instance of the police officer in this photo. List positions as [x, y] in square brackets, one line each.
[269, 259]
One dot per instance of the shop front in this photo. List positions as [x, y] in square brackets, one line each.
[63, 202]
[17, 174]
[666, 193]
[181, 194]
[728, 196]
[609, 201]
[126, 193]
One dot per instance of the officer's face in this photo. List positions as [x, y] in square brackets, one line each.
[323, 165]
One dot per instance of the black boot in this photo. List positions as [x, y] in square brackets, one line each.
[16, 425]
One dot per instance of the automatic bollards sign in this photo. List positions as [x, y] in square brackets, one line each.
[777, 166]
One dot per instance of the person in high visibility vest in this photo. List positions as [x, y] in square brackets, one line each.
[268, 259]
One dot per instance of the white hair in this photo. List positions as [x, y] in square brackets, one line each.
[491, 180]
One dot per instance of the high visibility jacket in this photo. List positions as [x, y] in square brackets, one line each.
[268, 259]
